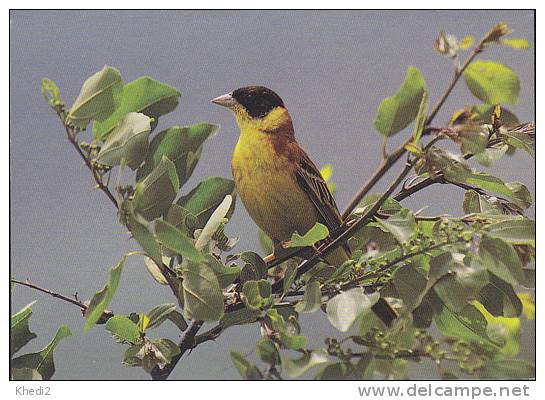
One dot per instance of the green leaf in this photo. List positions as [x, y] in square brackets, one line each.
[312, 299]
[397, 112]
[333, 372]
[99, 96]
[246, 370]
[315, 234]
[42, 361]
[460, 284]
[158, 314]
[453, 167]
[326, 171]
[143, 95]
[343, 309]
[206, 197]
[484, 113]
[166, 347]
[517, 44]
[20, 333]
[401, 225]
[240, 317]
[473, 139]
[123, 329]
[499, 298]
[141, 234]
[265, 242]
[176, 241]
[528, 305]
[128, 142]
[515, 191]
[182, 145]
[297, 367]
[501, 259]
[154, 195]
[254, 267]
[257, 294]
[214, 222]
[520, 195]
[420, 118]
[489, 156]
[514, 231]
[502, 330]
[25, 374]
[182, 219]
[266, 350]
[521, 137]
[225, 274]
[469, 324]
[466, 42]
[410, 285]
[492, 82]
[203, 298]
[509, 369]
[155, 271]
[51, 92]
[102, 298]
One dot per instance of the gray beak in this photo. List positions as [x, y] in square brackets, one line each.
[225, 100]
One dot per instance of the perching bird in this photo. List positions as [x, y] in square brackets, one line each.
[276, 180]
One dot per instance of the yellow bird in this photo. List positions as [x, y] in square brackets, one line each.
[276, 180]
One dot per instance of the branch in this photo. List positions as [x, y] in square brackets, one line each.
[72, 138]
[347, 233]
[378, 272]
[187, 343]
[393, 157]
[27, 283]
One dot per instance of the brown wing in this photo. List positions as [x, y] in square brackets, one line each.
[311, 181]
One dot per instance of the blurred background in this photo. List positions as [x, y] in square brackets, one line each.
[332, 69]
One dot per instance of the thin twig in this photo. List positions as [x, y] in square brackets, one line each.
[72, 138]
[27, 283]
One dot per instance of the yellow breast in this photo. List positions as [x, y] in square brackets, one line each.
[266, 185]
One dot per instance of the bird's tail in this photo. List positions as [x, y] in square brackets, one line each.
[381, 308]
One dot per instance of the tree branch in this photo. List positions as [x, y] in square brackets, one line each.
[187, 343]
[72, 138]
[397, 153]
[347, 233]
[27, 283]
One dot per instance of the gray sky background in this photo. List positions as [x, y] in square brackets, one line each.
[332, 69]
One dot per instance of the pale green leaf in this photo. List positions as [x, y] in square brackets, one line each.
[181, 145]
[343, 309]
[123, 329]
[143, 95]
[128, 142]
[203, 298]
[501, 259]
[312, 299]
[100, 95]
[42, 361]
[315, 234]
[20, 333]
[297, 367]
[102, 298]
[397, 112]
[154, 195]
[492, 82]
[176, 241]
[516, 43]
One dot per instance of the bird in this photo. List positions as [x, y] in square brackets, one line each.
[279, 185]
